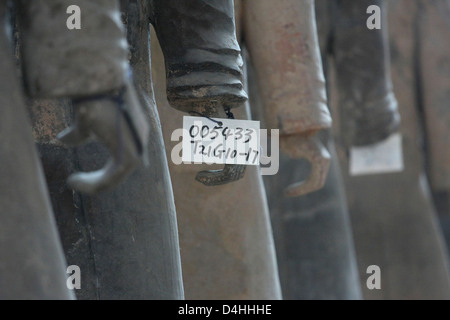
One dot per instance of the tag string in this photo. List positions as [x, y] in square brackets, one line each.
[228, 112]
[220, 123]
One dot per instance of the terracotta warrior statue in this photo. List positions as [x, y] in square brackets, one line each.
[312, 232]
[227, 249]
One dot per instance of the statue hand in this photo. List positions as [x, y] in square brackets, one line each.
[110, 122]
[307, 146]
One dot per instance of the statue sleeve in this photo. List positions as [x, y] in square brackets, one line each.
[59, 62]
[281, 37]
[202, 56]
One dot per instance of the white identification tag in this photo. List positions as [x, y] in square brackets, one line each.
[230, 142]
[383, 157]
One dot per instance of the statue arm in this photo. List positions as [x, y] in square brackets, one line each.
[368, 111]
[90, 67]
[282, 40]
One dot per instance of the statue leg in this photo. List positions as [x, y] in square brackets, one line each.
[434, 82]
[32, 264]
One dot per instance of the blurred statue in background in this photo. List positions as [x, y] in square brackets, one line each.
[392, 216]
[368, 111]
